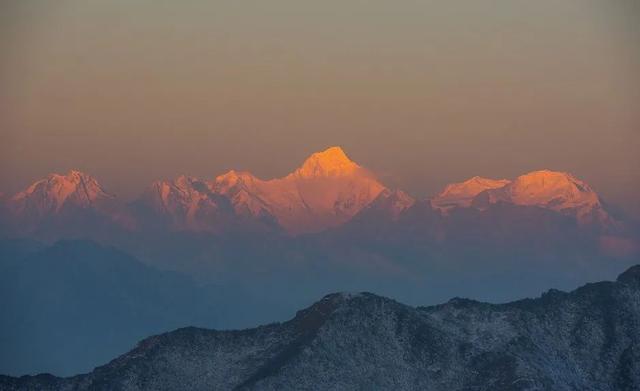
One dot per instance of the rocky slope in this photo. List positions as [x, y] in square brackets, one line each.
[587, 339]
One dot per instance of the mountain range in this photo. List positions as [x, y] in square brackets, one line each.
[327, 191]
[586, 339]
[331, 225]
[241, 251]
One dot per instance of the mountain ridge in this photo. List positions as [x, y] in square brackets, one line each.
[558, 191]
[327, 190]
[50, 194]
[462, 194]
[361, 340]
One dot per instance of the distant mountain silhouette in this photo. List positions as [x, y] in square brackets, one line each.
[71, 306]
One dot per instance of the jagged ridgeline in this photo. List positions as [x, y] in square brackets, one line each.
[326, 191]
[588, 339]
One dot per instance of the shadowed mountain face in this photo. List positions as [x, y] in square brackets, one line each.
[71, 306]
[587, 339]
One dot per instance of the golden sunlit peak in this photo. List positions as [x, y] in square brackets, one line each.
[556, 190]
[550, 184]
[550, 179]
[330, 162]
[332, 155]
[334, 151]
[547, 173]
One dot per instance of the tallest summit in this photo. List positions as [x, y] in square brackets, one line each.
[332, 162]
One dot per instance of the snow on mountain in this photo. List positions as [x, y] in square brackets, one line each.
[332, 162]
[554, 190]
[326, 191]
[64, 206]
[245, 192]
[49, 195]
[187, 203]
[586, 339]
[461, 194]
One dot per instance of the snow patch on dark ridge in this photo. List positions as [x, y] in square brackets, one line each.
[586, 339]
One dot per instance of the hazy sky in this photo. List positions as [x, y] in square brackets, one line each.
[423, 92]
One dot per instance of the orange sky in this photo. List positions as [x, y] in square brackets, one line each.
[422, 92]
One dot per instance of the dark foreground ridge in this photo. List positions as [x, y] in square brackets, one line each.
[588, 339]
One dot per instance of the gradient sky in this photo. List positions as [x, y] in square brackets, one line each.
[423, 92]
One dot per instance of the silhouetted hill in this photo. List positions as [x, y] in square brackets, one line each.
[75, 304]
[583, 340]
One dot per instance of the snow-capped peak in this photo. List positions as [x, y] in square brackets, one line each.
[325, 191]
[188, 203]
[546, 187]
[50, 194]
[331, 162]
[554, 190]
